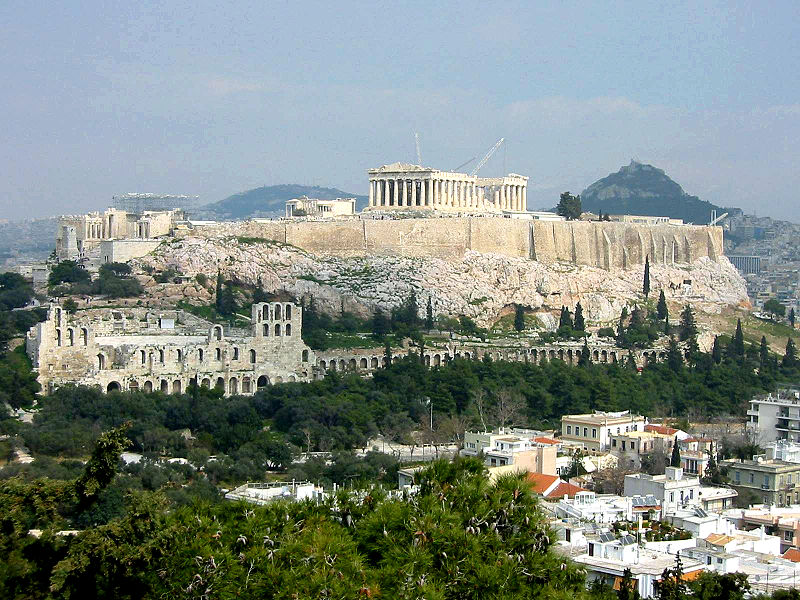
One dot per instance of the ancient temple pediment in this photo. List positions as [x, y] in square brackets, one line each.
[401, 168]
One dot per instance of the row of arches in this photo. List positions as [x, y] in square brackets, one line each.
[74, 336]
[275, 312]
[244, 384]
[276, 330]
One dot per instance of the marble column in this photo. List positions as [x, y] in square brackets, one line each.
[396, 192]
[371, 193]
[524, 197]
[414, 192]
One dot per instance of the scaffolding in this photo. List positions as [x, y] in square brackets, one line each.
[138, 202]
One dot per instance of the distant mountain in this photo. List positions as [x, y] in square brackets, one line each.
[269, 201]
[31, 240]
[640, 189]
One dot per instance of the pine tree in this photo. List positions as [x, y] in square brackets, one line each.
[716, 351]
[790, 356]
[646, 282]
[519, 317]
[674, 358]
[580, 324]
[688, 327]
[763, 354]
[661, 307]
[429, 315]
[675, 459]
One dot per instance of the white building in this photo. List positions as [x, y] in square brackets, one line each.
[313, 207]
[594, 430]
[264, 493]
[607, 508]
[775, 417]
[673, 490]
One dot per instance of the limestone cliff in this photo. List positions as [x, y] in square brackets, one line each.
[479, 285]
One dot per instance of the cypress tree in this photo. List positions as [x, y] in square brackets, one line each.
[580, 324]
[519, 317]
[790, 356]
[429, 315]
[661, 307]
[387, 355]
[791, 317]
[736, 349]
[646, 282]
[763, 353]
[631, 362]
[675, 459]
[380, 324]
[585, 360]
[716, 351]
[688, 327]
[674, 358]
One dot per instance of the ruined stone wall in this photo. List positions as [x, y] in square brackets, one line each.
[608, 245]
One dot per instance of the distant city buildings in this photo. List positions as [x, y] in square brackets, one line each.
[775, 416]
[594, 431]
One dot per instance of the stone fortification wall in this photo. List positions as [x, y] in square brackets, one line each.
[607, 245]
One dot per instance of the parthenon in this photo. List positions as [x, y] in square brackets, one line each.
[413, 187]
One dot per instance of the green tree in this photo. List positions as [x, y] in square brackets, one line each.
[716, 351]
[646, 282]
[763, 353]
[70, 306]
[661, 307]
[674, 357]
[628, 587]
[675, 459]
[585, 358]
[380, 324]
[790, 355]
[67, 271]
[565, 324]
[672, 586]
[736, 347]
[429, 315]
[579, 324]
[716, 586]
[519, 317]
[688, 327]
[774, 307]
[791, 317]
[102, 466]
[569, 206]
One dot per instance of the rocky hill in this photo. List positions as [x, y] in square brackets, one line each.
[478, 285]
[269, 201]
[639, 189]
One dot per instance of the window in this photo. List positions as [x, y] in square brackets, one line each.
[569, 429]
[613, 443]
[672, 496]
[200, 355]
[691, 494]
[766, 479]
[288, 329]
[594, 432]
[585, 432]
[144, 356]
[252, 356]
[236, 354]
[219, 356]
[789, 479]
[752, 478]
[624, 445]
[787, 536]
[161, 356]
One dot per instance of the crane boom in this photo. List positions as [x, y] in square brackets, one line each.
[419, 156]
[488, 156]
[716, 219]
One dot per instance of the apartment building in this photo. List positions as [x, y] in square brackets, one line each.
[632, 446]
[594, 430]
[783, 522]
[513, 447]
[764, 480]
[775, 416]
[673, 490]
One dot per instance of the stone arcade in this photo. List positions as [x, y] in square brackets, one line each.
[405, 186]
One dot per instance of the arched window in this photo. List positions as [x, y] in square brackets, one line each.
[262, 382]
[363, 363]
[161, 356]
[165, 386]
[234, 386]
[85, 336]
[265, 312]
[288, 311]
[218, 332]
[180, 355]
[236, 353]
[176, 386]
[220, 384]
[246, 385]
[288, 329]
[305, 356]
[101, 362]
[58, 337]
[277, 330]
[266, 329]
[143, 356]
[218, 354]
[206, 383]
[148, 386]
[200, 354]
[113, 387]
[277, 312]
[252, 357]
[71, 335]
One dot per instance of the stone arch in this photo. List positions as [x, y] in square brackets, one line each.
[304, 356]
[161, 355]
[437, 360]
[288, 329]
[179, 355]
[427, 360]
[604, 356]
[101, 361]
[292, 378]
[374, 362]
[176, 386]
[206, 382]
[570, 356]
[246, 388]
[164, 386]
[58, 316]
[341, 364]
[352, 364]
[535, 355]
[613, 356]
[363, 363]
[71, 336]
[200, 354]
[266, 329]
[85, 336]
[332, 365]
[552, 354]
[233, 385]
[595, 356]
[265, 312]
[561, 354]
[252, 357]
[277, 330]
[114, 386]
[278, 312]
[235, 353]
[133, 386]
[467, 355]
[395, 360]
[323, 365]
[279, 379]
[262, 382]
[220, 383]
[143, 356]
[58, 337]
[216, 333]
[148, 386]
[288, 312]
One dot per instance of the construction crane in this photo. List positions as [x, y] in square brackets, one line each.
[716, 219]
[419, 156]
[464, 164]
[487, 157]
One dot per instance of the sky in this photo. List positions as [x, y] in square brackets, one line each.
[213, 98]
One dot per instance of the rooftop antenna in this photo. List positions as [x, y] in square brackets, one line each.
[416, 141]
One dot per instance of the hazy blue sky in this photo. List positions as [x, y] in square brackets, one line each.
[213, 98]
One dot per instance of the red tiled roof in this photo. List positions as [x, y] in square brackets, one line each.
[792, 554]
[545, 440]
[565, 489]
[541, 482]
[662, 429]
